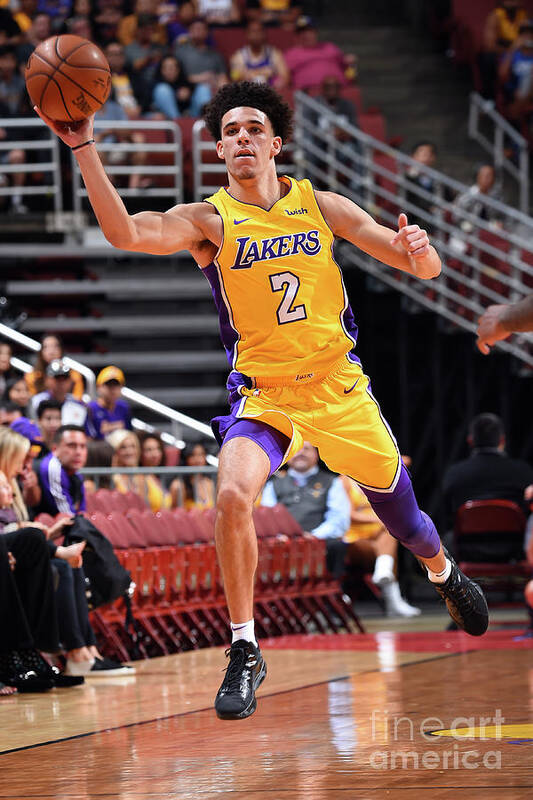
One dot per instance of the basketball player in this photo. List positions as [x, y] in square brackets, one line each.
[265, 245]
[499, 322]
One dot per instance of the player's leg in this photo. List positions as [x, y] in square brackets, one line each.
[355, 440]
[251, 452]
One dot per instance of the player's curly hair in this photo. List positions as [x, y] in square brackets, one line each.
[254, 95]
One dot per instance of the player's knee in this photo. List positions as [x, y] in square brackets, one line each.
[233, 499]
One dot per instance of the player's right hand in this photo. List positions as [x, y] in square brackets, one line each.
[71, 133]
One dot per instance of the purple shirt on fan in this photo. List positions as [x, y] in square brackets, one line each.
[97, 414]
[60, 491]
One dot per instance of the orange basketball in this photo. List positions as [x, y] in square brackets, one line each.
[529, 594]
[68, 78]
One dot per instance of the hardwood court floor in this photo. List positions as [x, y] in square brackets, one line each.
[338, 717]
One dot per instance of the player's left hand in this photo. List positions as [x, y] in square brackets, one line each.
[490, 328]
[412, 238]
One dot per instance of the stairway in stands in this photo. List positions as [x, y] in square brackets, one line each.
[153, 317]
[420, 93]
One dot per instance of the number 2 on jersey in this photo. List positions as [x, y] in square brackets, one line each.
[289, 283]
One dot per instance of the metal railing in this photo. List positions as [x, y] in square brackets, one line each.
[483, 114]
[485, 260]
[125, 152]
[46, 154]
[206, 163]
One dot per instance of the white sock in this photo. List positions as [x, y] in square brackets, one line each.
[440, 577]
[243, 630]
[383, 569]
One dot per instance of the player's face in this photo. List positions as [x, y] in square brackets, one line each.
[248, 144]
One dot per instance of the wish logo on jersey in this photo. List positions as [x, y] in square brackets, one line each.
[249, 251]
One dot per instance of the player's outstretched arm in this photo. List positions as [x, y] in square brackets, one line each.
[407, 249]
[499, 322]
[151, 232]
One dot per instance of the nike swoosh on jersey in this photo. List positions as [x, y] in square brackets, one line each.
[347, 391]
[238, 221]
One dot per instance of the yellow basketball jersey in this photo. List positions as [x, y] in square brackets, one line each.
[281, 299]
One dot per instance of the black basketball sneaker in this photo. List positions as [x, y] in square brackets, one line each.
[465, 600]
[246, 671]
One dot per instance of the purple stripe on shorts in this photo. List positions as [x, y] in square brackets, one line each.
[273, 442]
[228, 334]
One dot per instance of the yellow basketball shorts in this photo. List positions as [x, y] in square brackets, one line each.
[337, 413]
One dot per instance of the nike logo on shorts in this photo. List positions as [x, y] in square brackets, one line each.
[238, 221]
[347, 391]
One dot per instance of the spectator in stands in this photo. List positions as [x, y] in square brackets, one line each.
[40, 30]
[49, 421]
[317, 500]
[17, 392]
[27, 479]
[218, 12]
[144, 54]
[344, 112]
[178, 23]
[57, 10]
[9, 412]
[58, 384]
[371, 547]
[129, 88]
[311, 60]
[10, 33]
[473, 200]
[63, 491]
[106, 21]
[129, 25]
[51, 350]
[203, 66]
[259, 61]
[516, 74]
[172, 94]
[126, 453]
[109, 412]
[12, 104]
[12, 87]
[425, 154]
[153, 455]
[196, 490]
[79, 26]
[502, 28]
[24, 16]
[99, 454]
[488, 474]
[6, 370]
[111, 112]
[272, 12]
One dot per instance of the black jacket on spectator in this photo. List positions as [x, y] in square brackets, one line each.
[489, 474]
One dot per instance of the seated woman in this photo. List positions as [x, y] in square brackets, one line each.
[194, 490]
[153, 455]
[370, 546]
[16, 391]
[75, 631]
[51, 350]
[172, 92]
[127, 453]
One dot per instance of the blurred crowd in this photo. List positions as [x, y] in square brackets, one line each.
[166, 59]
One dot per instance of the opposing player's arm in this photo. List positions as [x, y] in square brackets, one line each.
[407, 249]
